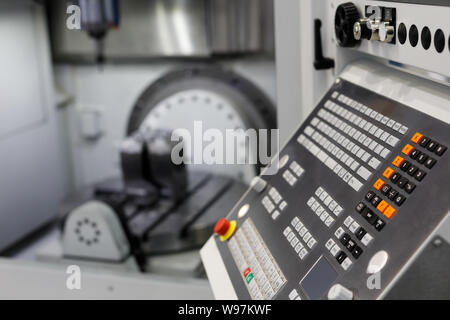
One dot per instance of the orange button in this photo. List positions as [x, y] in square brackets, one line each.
[398, 161]
[382, 206]
[389, 212]
[408, 149]
[388, 173]
[417, 137]
[378, 184]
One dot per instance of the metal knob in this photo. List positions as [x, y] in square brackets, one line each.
[386, 32]
[361, 30]
[339, 292]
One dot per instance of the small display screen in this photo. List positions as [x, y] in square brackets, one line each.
[319, 279]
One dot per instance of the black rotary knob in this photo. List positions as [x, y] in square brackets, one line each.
[346, 16]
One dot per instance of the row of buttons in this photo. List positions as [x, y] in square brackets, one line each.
[398, 179]
[305, 235]
[252, 257]
[291, 178]
[351, 147]
[369, 215]
[296, 168]
[329, 161]
[270, 206]
[429, 144]
[421, 158]
[382, 205]
[303, 232]
[358, 137]
[354, 227]
[340, 255]
[328, 201]
[389, 191]
[368, 127]
[370, 113]
[323, 215]
[406, 166]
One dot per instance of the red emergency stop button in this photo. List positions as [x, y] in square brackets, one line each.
[225, 228]
[222, 227]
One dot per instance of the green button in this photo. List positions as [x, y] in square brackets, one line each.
[249, 277]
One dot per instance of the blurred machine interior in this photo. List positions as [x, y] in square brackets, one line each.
[88, 110]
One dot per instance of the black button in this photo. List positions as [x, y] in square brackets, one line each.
[385, 189]
[402, 33]
[422, 158]
[432, 145]
[399, 199]
[395, 177]
[424, 141]
[392, 194]
[370, 195]
[379, 224]
[412, 170]
[341, 257]
[376, 201]
[345, 238]
[360, 233]
[413, 35]
[402, 182]
[360, 207]
[350, 245]
[414, 154]
[420, 174]
[439, 40]
[405, 165]
[369, 216]
[357, 251]
[425, 38]
[409, 187]
[440, 149]
[430, 163]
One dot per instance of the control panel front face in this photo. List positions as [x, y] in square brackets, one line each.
[361, 186]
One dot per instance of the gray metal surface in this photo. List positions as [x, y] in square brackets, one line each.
[403, 235]
[171, 28]
[428, 277]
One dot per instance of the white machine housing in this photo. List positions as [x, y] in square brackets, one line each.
[300, 86]
[93, 231]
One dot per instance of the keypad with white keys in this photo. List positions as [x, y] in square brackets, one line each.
[330, 161]
[274, 203]
[402, 129]
[293, 173]
[260, 272]
[299, 237]
[324, 206]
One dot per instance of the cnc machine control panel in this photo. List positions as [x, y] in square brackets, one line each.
[359, 189]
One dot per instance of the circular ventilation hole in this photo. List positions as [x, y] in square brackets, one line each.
[413, 35]
[402, 33]
[425, 38]
[439, 40]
